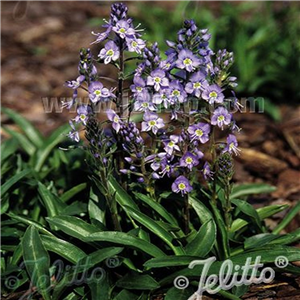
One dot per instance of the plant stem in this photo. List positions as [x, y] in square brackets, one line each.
[186, 214]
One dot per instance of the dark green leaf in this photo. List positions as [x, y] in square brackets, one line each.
[125, 239]
[137, 282]
[203, 241]
[242, 190]
[37, 261]
[73, 191]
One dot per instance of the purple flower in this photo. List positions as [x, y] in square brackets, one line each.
[196, 84]
[116, 121]
[102, 35]
[124, 29]
[109, 52]
[232, 145]
[187, 60]
[143, 102]
[135, 45]
[152, 122]
[75, 84]
[213, 94]
[138, 85]
[83, 112]
[189, 160]
[199, 132]
[177, 92]
[73, 134]
[158, 79]
[163, 97]
[98, 93]
[221, 117]
[172, 144]
[168, 63]
[181, 184]
[207, 173]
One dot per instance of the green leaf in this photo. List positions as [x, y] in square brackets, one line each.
[100, 255]
[30, 131]
[137, 282]
[8, 148]
[73, 226]
[248, 210]
[155, 228]
[288, 218]
[242, 190]
[57, 137]
[266, 254]
[126, 295]
[203, 241]
[76, 208]
[10, 183]
[125, 239]
[73, 191]
[52, 203]
[201, 210]
[63, 248]
[263, 213]
[179, 294]
[157, 207]
[121, 195]
[26, 145]
[259, 240]
[170, 261]
[37, 261]
[30, 222]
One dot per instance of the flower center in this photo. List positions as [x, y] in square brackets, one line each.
[145, 104]
[221, 118]
[122, 30]
[152, 123]
[197, 85]
[157, 79]
[82, 117]
[116, 119]
[213, 94]
[231, 146]
[176, 93]
[97, 93]
[110, 52]
[181, 186]
[171, 144]
[189, 160]
[187, 61]
[199, 132]
[134, 44]
[138, 88]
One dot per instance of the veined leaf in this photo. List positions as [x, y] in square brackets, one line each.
[121, 195]
[263, 212]
[203, 241]
[125, 239]
[137, 282]
[30, 131]
[62, 248]
[51, 202]
[242, 190]
[155, 228]
[37, 261]
[9, 184]
[73, 226]
[158, 208]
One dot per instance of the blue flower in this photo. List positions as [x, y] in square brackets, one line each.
[221, 117]
[213, 94]
[232, 145]
[83, 112]
[196, 84]
[181, 185]
[109, 52]
[158, 79]
[99, 93]
[152, 122]
[187, 60]
[189, 160]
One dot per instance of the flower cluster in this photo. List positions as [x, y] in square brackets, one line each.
[179, 102]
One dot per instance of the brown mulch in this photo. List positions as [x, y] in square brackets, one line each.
[40, 46]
